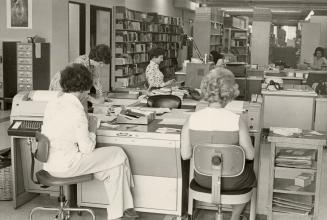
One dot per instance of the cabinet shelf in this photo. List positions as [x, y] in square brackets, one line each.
[287, 186]
[313, 168]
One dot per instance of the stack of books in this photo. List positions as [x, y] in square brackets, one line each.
[297, 158]
[287, 203]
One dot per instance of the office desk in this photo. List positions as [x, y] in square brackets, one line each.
[288, 108]
[155, 162]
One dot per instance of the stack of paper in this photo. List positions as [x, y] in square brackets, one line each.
[299, 158]
[288, 203]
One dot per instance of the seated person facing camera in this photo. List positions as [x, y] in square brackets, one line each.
[319, 59]
[98, 56]
[72, 139]
[154, 76]
[218, 89]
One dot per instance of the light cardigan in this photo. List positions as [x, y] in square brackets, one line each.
[65, 123]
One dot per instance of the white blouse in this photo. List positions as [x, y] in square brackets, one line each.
[65, 123]
[214, 119]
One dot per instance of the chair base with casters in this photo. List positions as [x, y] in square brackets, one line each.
[44, 179]
[199, 193]
[63, 211]
[217, 160]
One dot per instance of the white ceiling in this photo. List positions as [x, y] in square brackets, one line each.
[284, 12]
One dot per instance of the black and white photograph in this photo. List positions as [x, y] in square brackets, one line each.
[19, 13]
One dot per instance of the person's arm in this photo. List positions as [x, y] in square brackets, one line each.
[245, 140]
[55, 82]
[85, 133]
[186, 148]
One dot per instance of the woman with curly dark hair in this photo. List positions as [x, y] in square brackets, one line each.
[72, 138]
[222, 126]
[98, 55]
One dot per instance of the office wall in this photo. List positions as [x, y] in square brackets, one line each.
[41, 23]
[322, 20]
[50, 21]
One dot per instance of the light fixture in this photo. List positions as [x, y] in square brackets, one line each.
[309, 15]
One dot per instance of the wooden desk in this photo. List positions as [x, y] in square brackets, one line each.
[288, 108]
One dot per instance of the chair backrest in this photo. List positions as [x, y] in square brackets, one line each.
[232, 158]
[43, 145]
[41, 153]
[164, 101]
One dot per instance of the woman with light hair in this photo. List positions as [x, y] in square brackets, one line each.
[215, 122]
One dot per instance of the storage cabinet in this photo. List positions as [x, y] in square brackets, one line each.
[209, 27]
[295, 175]
[135, 33]
[236, 41]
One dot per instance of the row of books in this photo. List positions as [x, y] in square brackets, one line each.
[131, 48]
[129, 36]
[298, 158]
[130, 81]
[148, 27]
[288, 203]
[125, 13]
[122, 71]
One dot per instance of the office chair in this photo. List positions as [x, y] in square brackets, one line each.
[217, 160]
[45, 179]
[164, 101]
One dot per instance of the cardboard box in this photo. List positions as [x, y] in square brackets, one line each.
[303, 180]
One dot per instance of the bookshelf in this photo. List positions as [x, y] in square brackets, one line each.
[295, 175]
[135, 33]
[209, 29]
[236, 41]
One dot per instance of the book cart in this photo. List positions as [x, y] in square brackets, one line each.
[295, 176]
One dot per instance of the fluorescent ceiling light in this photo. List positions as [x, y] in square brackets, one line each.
[273, 10]
[309, 15]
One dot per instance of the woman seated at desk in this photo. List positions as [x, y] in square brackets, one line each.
[319, 60]
[98, 55]
[154, 76]
[218, 89]
[217, 58]
[72, 139]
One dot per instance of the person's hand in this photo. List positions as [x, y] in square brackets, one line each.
[98, 100]
[93, 123]
[170, 82]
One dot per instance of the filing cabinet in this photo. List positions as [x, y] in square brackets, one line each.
[26, 66]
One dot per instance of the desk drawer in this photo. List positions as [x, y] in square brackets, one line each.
[149, 193]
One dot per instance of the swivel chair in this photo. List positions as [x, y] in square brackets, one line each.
[45, 179]
[164, 101]
[217, 160]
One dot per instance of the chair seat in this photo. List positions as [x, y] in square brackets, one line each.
[46, 179]
[196, 187]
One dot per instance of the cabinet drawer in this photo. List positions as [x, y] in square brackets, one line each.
[24, 60]
[24, 47]
[24, 54]
[24, 67]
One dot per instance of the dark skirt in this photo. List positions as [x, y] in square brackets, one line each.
[245, 180]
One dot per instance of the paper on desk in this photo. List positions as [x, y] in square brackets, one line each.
[286, 131]
[173, 121]
[235, 106]
[103, 117]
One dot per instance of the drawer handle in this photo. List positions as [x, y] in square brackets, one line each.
[123, 134]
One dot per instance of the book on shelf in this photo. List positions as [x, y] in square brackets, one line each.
[294, 199]
[278, 208]
[296, 154]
